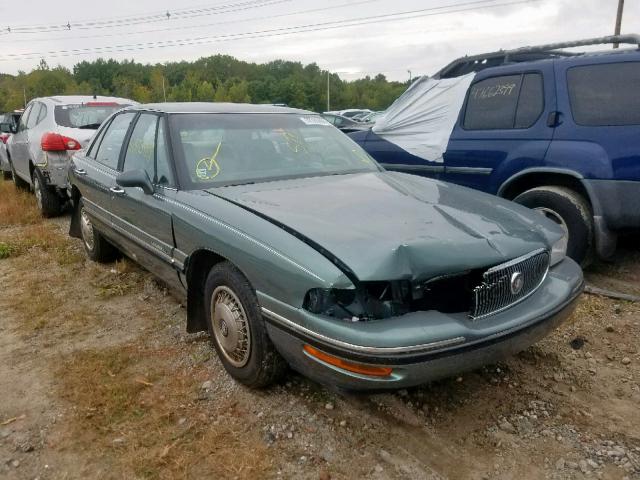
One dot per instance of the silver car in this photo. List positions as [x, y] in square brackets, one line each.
[50, 130]
[11, 119]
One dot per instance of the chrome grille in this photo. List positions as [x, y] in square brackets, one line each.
[497, 291]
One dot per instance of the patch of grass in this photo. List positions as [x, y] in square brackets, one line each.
[17, 207]
[129, 404]
[6, 250]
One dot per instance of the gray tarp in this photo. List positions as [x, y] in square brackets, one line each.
[421, 120]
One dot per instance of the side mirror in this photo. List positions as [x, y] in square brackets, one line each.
[136, 178]
[7, 128]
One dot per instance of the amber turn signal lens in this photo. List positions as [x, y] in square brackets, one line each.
[349, 366]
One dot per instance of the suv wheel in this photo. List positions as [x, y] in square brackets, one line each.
[46, 199]
[237, 329]
[97, 247]
[6, 175]
[568, 209]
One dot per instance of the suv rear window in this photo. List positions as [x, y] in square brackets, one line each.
[88, 115]
[607, 94]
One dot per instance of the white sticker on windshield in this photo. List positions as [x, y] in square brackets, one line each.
[314, 120]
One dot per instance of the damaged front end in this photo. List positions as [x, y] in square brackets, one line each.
[379, 300]
[476, 292]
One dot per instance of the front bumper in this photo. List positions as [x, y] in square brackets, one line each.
[422, 346]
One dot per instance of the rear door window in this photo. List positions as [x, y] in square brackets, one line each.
[32, 121]
[111, 144]
[605, 94]
[530, 101]
[492, 103]
[506, 102]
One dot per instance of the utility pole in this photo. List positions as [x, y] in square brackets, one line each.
[24, 95]
[328, 91]
[410, 76]
[619, 21]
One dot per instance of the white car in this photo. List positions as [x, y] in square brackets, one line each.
[50, 130]
[12, 119]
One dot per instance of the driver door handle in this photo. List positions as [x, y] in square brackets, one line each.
[79, 171]
[117, 190]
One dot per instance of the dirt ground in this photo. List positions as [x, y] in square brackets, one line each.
[98, 379]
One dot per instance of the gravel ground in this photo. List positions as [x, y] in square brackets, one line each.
[99, 379]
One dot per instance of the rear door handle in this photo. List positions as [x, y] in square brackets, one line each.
[117, 190]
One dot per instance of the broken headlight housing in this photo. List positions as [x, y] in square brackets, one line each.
[559, 250]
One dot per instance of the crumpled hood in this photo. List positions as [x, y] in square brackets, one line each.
[390, 226]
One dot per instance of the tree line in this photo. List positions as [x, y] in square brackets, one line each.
[219, 78]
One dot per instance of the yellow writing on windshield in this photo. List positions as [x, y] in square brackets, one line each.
[208, 168]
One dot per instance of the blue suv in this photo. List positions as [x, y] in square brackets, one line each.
[567, 142]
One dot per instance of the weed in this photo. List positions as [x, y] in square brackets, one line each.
[6, 250]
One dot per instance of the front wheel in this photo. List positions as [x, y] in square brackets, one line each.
[6, 175]
[237, 329]
[568, 209]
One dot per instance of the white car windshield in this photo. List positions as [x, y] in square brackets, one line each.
[230, 149]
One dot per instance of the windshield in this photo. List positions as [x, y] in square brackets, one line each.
[229, 149]
[89, 116]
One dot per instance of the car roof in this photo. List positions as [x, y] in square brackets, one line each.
[211, 107]
[79, 99]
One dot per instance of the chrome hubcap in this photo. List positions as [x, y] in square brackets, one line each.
[86, 228]
[230, 326]
[557, 218]
[37, 191]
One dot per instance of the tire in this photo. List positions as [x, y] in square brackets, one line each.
[237, 329]
[571, 211]
[6, 175]
[47, 200]
[97, 247]
[17, 181]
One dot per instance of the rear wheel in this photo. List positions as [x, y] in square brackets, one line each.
[97, 247]
[6, 175]
[237, 329]
[47, 200]
[570, 211]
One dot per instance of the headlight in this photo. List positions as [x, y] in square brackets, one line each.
[559, 250]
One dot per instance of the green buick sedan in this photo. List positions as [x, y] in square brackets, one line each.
[293, 247]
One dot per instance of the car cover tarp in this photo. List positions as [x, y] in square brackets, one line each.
[421, 120]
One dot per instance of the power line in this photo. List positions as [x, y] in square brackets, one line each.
[267, 33]
[137, 20]
[193, 27]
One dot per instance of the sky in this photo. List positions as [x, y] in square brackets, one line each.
[384, 40]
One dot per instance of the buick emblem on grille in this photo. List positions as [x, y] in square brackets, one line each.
[517, 282]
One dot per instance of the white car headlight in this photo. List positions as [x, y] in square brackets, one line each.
[559, 250]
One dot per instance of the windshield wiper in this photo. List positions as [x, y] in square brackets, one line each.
[90, 126]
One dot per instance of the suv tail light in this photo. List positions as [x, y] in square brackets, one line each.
[4, 137]
[54, 142]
